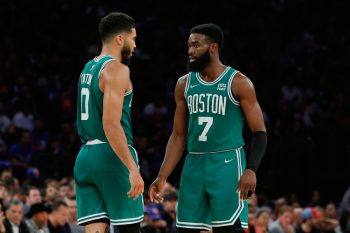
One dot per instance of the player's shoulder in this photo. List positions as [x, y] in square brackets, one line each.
[117, 66]
[181, 83]
[241, 84]
[183, 79]
[115, 69]
[241, 78]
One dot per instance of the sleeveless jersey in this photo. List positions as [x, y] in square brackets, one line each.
[90, 104]
[215, 121]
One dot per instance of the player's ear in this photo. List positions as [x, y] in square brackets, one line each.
[119, 39]
[213, 48]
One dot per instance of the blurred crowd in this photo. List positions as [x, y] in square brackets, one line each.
[295, 52]
[51, 208]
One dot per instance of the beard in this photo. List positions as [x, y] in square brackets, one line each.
[126, 54]
[200, 63]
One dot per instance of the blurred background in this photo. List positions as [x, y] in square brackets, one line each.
[295, 52]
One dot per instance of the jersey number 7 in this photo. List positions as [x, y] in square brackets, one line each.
[209, 122]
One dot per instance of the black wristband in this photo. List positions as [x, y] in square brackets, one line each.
[258, 146]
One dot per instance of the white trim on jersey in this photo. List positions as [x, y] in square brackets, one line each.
[192, 225]
[239, 210]
[215, 81]
[128, 92]
[126, 220]
[188, 80]
[229, 89]
[98, 58]
[136, 154]
[103, 66]
[92, 215]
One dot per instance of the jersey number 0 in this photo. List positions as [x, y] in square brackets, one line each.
[85, 94]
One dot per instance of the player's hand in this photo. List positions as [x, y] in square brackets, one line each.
[247, 184]
[156, 190]
[137, 184]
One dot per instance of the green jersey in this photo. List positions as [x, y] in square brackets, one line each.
[90, 104]
[215, 121]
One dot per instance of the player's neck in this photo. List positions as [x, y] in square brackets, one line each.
[212, 71]
[111, 50]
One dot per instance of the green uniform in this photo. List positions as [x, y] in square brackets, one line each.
[102, 180]
[208, 189]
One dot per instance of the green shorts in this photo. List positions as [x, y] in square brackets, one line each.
[102, 183]
[208, 194]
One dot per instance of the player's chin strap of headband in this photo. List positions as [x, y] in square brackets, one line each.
[257, 150]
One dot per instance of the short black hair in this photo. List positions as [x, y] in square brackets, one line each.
[212, 31]
[113, 23]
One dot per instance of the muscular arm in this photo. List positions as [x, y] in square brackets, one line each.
[177, 140]
[114, 82]
[244, 90]
[176, 143]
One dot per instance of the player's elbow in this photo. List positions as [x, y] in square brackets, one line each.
[179, 135]
[109, 125]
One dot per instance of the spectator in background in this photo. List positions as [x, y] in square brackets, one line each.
[2, 217]
[263, 218]
[252, 212]
[33, 177]
[153, 220]
[5, 121]
[22, 154]
[6, 172]
[72, 186]
[58, 217]
[318, 217]
[72, 219]
[330, 222]
[38, 218]
[3, 192]
[40, 136]
[51, 193]
[278, 204]
[253, 204]
[260, 222]
[14, 218]
[297, 217]
[169, 210]
[283, 224]
[65, 190]
[23, 119]
[307, 225]
[32, 196]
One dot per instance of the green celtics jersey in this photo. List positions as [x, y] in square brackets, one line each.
[215, 118]
[90, 103]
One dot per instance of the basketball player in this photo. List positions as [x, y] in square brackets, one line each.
[108, 182]
[212, 101]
